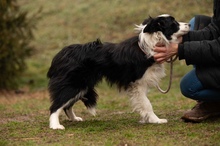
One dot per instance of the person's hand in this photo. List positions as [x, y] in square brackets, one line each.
[164, 53]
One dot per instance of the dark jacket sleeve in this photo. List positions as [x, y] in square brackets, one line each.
[208, 33]
[203, 46]
[201, 52]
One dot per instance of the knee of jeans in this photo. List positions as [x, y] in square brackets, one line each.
[187, 91]
[184, 89]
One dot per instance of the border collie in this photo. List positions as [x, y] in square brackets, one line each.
[78, 68]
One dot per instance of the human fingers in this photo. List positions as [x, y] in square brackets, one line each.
[160, 57]
[160, 49]
[160, 45]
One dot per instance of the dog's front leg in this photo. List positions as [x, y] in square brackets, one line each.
[148, 115]
[141, 104]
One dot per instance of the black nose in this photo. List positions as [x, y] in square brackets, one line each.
[189, 25]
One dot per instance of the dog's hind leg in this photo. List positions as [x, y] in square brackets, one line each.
[88, 97]
[54, 120]
[90, 100]
[70, 113]
[68, 107]
[141, 104]
[64, 100]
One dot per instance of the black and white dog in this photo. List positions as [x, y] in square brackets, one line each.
[77, 68]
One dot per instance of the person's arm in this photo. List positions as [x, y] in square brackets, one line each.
[208, 33]
[200, 52]
[195, 52]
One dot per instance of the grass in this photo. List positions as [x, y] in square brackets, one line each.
[24, 121]
[24, 117]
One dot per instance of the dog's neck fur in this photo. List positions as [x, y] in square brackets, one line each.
[147, 42]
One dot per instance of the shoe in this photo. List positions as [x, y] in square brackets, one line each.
[202, 111]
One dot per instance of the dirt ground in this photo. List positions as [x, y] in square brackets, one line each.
[10, 101]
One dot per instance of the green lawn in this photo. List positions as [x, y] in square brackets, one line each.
[24, 117]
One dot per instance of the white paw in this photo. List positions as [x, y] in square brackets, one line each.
[155, 121]
[161, 121]
[57, 127]
[78, 119]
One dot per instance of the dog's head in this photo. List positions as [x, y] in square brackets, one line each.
[162, 29]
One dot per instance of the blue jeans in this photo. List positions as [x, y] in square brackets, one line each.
[191, 87]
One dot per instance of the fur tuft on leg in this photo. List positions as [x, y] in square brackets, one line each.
[92, 111]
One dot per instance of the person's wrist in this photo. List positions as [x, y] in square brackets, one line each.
[174, 48]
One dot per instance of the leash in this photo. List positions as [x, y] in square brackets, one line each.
[170, 78]
[171, 72]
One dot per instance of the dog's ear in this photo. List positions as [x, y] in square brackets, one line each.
[147, 20]
[153, 25]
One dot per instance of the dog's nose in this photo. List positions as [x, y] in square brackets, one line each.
[189, 25]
